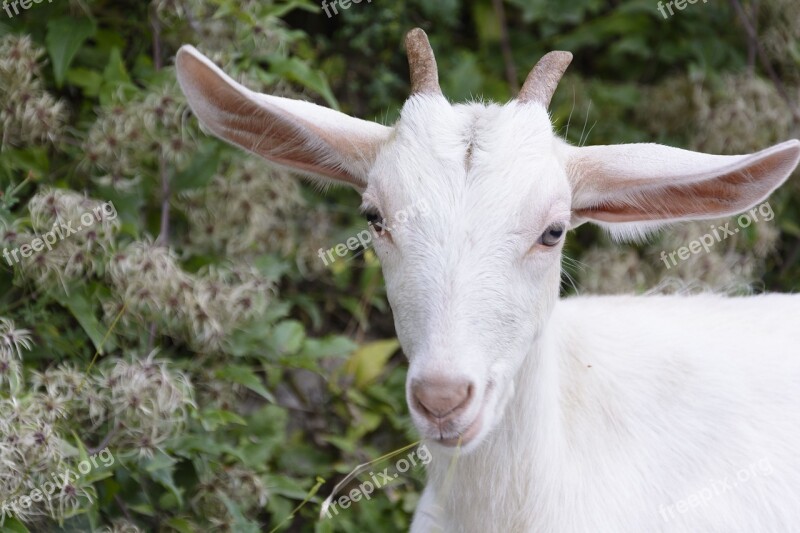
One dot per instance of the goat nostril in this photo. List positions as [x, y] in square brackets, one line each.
[437, 399]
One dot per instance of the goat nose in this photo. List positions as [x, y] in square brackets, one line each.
[441, 398]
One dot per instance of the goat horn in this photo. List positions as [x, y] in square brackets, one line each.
[421, 63]
[543, 79]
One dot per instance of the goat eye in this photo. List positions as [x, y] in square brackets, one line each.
[552, 235]
[376, 221]
[373, 217]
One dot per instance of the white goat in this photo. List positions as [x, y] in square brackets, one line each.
[598, 414]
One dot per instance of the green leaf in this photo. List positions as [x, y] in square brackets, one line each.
[286, 486]
[115, 78]
[115, 70]
[200, 171]
[244, 375]
[287, 337]
[161, 469]
[211, 419]
[143, 508]
[790, 227]
[191, 446]
[331, 346]
[343, 443]
[88, 80]
[259, 339]
[272, 266]
[368, 362]
[281, 10]
[181, 525]
[266, 430]
[77, 302]
[65, 35]
[13, 525]
[240, 524]
[32, 159]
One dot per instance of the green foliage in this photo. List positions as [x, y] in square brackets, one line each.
[193, 330]
[64, 38]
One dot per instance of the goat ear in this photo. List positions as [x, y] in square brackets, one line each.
[652, 183]
[302, 136]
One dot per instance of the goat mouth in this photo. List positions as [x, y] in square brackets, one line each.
[469, 434]
[465, 436]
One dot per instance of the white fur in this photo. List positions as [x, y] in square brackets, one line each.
[626, 406]
[593, 414]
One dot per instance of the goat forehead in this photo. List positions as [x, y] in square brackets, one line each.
[453, 135]
[473, 166]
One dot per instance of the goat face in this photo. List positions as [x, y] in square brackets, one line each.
[477, 204]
